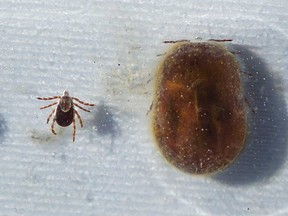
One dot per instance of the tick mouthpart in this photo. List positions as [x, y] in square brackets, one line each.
[66, 93]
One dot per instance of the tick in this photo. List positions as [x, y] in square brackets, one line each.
[64, 113]
[199, 113]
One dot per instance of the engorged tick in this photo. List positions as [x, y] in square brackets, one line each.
[199, 113]
[64, 113]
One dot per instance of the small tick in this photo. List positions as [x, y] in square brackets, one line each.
[64, 113]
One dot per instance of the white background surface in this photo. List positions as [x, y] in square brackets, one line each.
[104, 52]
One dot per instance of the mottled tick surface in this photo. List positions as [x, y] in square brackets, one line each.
[199, 116]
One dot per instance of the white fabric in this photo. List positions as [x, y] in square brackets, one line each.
[106, 52]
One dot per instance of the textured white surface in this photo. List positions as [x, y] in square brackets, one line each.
[104, 52]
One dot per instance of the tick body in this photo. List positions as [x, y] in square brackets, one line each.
[64, 113]
[199, 116]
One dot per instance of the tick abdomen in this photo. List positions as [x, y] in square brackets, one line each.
[64, 119]
[199, 116]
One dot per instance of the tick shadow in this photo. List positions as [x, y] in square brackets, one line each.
[3, 128]
[266, 147]
[105, 122]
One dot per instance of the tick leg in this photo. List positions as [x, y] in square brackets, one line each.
[81, 107]
[150, 108]
[44, 107]
[248, 102]
[176, 41]
[52, 126]
[80, 120]
[49, 98]
[220, 40]
[74, 129]
[48, 119]
[82, 102]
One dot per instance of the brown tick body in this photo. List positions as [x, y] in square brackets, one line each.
[199, 116]
[64, 113]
